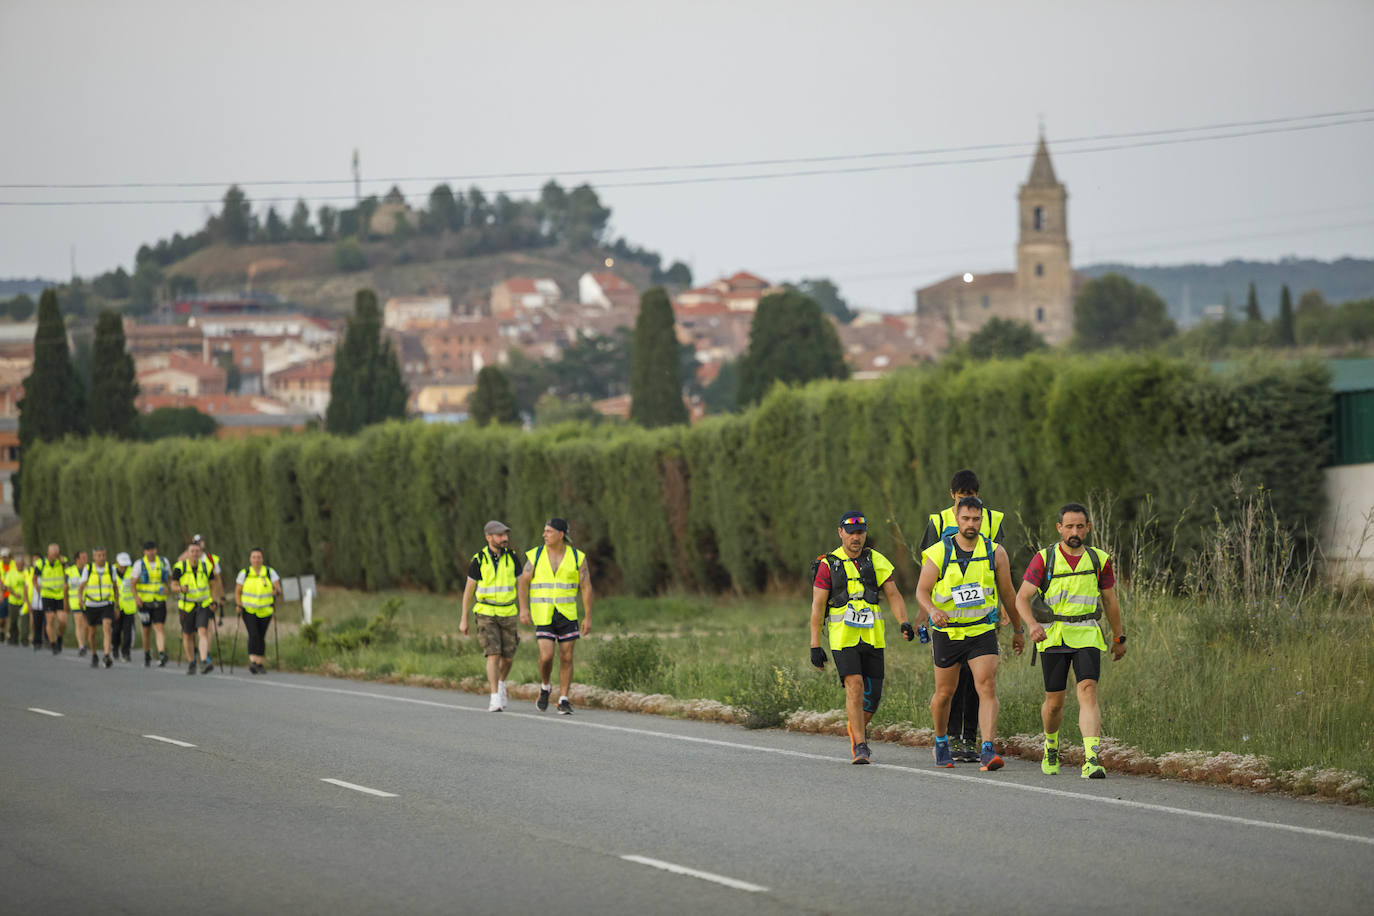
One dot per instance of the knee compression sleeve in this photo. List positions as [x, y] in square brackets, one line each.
[873, 693]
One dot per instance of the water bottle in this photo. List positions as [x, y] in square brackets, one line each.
[923, 633]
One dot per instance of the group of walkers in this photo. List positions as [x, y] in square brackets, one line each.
[965, 593]
[105, 599]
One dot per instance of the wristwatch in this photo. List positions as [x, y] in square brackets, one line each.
[1120, 640]
[1019, 631]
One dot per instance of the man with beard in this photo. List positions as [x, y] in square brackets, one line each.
[1075, 584]
[491, 581]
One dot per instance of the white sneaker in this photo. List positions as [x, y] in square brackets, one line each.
[501, 692]
[495, 704]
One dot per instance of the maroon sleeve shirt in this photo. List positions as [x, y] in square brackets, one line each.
[1035, 571]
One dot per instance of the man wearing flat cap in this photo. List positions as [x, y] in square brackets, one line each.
[556, 573]
[491, 581]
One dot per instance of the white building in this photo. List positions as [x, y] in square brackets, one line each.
[401, 311]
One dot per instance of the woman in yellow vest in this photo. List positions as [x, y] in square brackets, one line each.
[1078, 584]
[963, 579]
[18, 584]
[128, 607]
[550, 583]
[256, 592]
[850, 581]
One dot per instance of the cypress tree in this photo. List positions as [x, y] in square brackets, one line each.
[54, 402]
[366, 386]
[790, 340]
[1285, 334]
[655, 379]
[493, 401]
[113, 388]
[1252, 312]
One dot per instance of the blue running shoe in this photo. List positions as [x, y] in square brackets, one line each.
[989, 760]
[943, 758]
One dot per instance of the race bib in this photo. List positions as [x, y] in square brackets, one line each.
[859, 617]
[970, 594]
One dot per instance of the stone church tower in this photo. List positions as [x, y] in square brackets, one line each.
[1044, 279]
[1039, 292]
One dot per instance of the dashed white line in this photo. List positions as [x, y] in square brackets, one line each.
[357, 788]
[831, 759]
[45, 712]
[170, 741]
[694, 873]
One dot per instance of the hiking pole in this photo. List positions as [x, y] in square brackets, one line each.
[218, 648]
[234, 651]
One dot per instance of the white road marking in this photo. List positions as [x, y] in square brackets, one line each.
[694, 873]
[357, 788]
[170, 741]
[45, 712]
[831, 759]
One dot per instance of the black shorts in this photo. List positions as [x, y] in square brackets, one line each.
[862, 659]
[197, 618]
[1087, 666]
[560, 630]
[153, 612]
[50, 604]
[97, 613]
[951, 652]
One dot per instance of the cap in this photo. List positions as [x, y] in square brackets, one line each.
[854, 521]
[123, 559]
[198, 539]
[557, 524]
[4, 551]
[495, 527]
[150, 545]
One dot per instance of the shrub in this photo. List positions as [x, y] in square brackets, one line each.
[630, 663]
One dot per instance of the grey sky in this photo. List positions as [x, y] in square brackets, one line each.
[185, 91]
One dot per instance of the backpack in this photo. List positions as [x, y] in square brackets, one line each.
[1041, 610]
[839, 579]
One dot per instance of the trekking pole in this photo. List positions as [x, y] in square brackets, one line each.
[234, 650]
[218, 648]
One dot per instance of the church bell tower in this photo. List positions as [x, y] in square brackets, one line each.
[1044, 277]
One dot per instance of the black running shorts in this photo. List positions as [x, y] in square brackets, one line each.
[196, 619]
[1087, 666]
[951, 652]
[98, 612]
[155, 611]
[861, 659]
[561, 629]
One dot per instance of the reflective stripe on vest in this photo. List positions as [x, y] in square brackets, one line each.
[554, 590]
[153, 587]
[257, 592]
[945, 524]
[980, 569]
[197, 591]
[100, 585]
[52, 578]
[842, 635]
[74, 587]
[496, 587]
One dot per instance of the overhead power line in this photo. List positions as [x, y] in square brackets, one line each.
[1146, 138]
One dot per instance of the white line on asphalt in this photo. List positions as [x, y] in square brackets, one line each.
[45, 712]
[831, 759]
[692, 872]
[170, 741]
[357, 788]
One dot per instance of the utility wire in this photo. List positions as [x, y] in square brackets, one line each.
[1262, 126]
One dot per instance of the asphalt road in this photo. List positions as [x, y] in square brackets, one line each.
[528, 812]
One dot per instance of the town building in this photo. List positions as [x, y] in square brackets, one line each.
[607, 291]
[403, 312]
[304, 387]
[523, 292]
[175, 373]
[1039, 292]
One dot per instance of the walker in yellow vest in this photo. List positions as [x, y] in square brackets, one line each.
[74, 587]
[195, 592]
[258, 594]
[152, 583]
[853, 614]
[1070, 606]
[966, 591]
[554, 589]
[100, 584]
[127, 604]
[496, 588]
[945, 524]
[51, 577]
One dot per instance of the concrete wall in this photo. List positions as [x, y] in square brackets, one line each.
[1347, 533]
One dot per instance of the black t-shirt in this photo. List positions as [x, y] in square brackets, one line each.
[475, 568]
[932, 536]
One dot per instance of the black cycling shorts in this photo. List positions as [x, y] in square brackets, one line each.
[560, 629]
[951, 652]
[197, 618]
[1087, 666]
[861, 659]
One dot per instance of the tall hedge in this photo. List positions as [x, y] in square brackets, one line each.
[738, 503]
